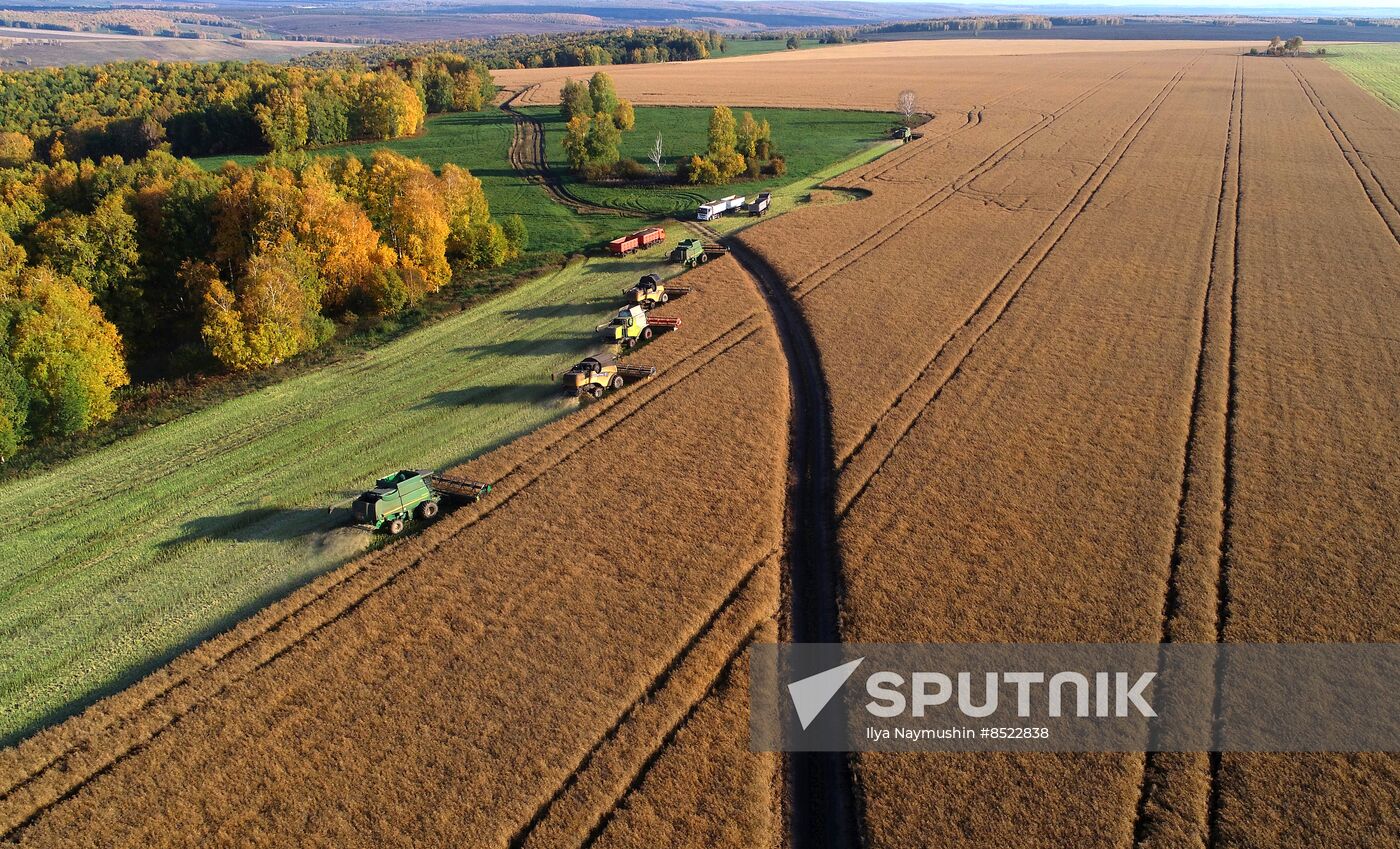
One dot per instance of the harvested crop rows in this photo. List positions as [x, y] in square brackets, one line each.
[394, 670]
[1105, 356]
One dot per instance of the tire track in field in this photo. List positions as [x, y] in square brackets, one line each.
[990, 309]
[1375, 190]
[937, 198]
[528, 156]
[528, 834]
[637, 779]
[975, 116]
[355, 596]
[1199, 541]
[824, 810]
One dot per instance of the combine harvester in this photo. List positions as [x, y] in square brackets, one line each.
[593, 375]
[632, 324]
[650, 292]
[693, 252]
[624, 245]
[410, 494]
[715, 208]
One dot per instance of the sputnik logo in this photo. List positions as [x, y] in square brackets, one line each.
[811, 694]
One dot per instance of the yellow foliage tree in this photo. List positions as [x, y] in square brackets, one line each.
[351, 256]
[68, 352]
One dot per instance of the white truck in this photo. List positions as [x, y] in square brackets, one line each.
[715, 208]
[759, 205]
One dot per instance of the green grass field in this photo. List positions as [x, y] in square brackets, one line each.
[123, 557]
[1375, 67]
[480, 142]
[810, 139]
[753, 46]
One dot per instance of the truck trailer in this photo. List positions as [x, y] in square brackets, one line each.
[715, 208]
[623, 245]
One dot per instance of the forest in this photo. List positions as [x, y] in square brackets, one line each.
[129, 108]
[103, 261]
[551, 50]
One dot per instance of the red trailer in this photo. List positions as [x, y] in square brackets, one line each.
[623, 245]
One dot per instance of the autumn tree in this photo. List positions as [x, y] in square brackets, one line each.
[603, 93]
[746, 136]
[271, 314]
[575, 100]
[69, 354]
[283, 119]
[576, 142]
[16, 150]
[625, 115]
[353, 261]
[97, 251]
[386, 107]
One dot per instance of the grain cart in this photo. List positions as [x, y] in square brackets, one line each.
[715, 208]
[759, 205]
[600, 372]
[637, 241]
[410, 494]
[632, 324]
[693, 252]
[650, 292]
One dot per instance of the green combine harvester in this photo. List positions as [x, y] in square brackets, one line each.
[411, 494]
[693, 252]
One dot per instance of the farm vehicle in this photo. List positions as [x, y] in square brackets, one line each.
[632, 324]
[715, 208]
[595, 374]
[650, 292]
[624, 245]
[693, 252]
[410, 494]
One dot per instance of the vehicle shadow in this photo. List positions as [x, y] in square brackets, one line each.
[507, 394]
[259, 524]
[596, 306]
[547, 347]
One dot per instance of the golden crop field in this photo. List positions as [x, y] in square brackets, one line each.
[1107, 355]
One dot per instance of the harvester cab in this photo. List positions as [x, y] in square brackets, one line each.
[632, 324]
[409, 494]
[651, 292]
[593, 375]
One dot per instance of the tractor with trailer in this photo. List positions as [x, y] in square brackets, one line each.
[715, 208]
[637, 241]
[693, 252]
[595, 374]
[411, 494]
[651, 292]
[632, 324]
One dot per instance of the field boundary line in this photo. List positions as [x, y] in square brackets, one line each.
[745, 607]
[937, 197]
[988, 312]
[203, 676]
[1379, 196]
[726, 670]
[1201, 501]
